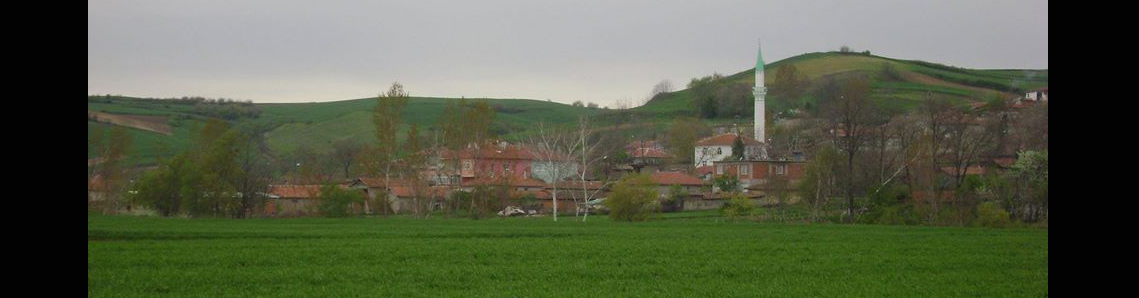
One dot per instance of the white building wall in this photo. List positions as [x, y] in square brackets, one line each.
[705, 155]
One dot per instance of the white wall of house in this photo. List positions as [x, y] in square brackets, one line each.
[544, 171]
[705, 155]
[1036, 96]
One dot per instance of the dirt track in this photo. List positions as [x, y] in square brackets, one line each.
[148, 123]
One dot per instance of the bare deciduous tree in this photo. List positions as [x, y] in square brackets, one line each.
[849, 115]
[552, 147]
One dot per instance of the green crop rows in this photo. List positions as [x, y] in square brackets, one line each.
[528, 257]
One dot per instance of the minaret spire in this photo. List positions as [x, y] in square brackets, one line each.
[760, 92]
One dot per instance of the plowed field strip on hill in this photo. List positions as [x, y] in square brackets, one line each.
[148, 123]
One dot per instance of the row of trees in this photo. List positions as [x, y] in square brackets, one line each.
[715, 96]
[106, 169]
[225, 173]
[917, 164]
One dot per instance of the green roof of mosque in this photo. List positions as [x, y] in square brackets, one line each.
[759, 61]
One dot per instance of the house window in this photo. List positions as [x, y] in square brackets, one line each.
[744, 170]
[719, 169]
[781, 170]
[719, 151]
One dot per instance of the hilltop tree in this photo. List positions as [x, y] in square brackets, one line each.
[665, 86]
[704, 95]
[734, 100]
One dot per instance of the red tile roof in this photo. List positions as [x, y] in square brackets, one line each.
[647, 152]
[378, 182]
[577, 184]
[491, 152]
[1005, 161]
[971, 170]
[540, 194]
[407, 191]
[705, 170]
[295, 191]
[97, 183]
[675, 178]
[726, 139]
[515, 182]
[642, 144]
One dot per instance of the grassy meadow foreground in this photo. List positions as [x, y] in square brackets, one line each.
[691, 254]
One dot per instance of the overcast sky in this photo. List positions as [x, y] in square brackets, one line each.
[594, 51]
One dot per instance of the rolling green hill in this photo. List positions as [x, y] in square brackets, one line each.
[918, 79]
[315, 124]
[320, 124]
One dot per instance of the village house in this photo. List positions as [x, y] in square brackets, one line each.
[650, 154]
[401, 196]
[762, 174]
[500, 159]
[1037, 95]
[96, 190]
[719, 147]
[571, 193]
[292, 200]
[691, 185]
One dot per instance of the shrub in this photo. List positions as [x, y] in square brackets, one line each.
[990, 215]
[336, 201]
[633, 199]
[897, 215]
[738, 206]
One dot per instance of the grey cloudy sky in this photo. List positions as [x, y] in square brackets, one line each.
[594, 51]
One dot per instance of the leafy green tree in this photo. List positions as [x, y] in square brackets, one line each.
[990, 214]
[738, 148]
[160, 189]
[818, 182]
[1031, 174]
[683, 135]
[386, 117]
[734, 100]
[336, 201]
[110, 152]
[703, 95]
[676, 195]
[727, 183]
[633, 199]
[223, 174]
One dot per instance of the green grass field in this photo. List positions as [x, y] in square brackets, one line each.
[687, 254]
